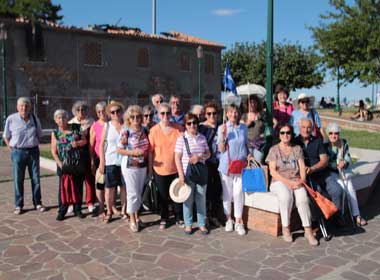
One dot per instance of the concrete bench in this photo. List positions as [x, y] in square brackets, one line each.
[261, 210]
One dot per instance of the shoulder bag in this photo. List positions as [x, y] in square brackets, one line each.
[196, 173]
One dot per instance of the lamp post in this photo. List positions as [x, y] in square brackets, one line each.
[268, 133]
[199, 56]
[3, 38]
[337, 105]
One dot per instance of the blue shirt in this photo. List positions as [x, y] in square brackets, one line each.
[178, 119]
[21, 133]
[237, 145]
[297, 115]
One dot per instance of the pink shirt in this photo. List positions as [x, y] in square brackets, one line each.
[282, 114]
[98, 128]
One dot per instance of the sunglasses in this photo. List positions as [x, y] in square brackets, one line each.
[81, 110]
[333, 133]
[285, 132]
[135, 117]
[211, 113]
[192, 123]
[304, 101]
[165, 113]
[148, 115]
[116, 111]
[101, 112]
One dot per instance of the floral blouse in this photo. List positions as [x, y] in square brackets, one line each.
[64, 140]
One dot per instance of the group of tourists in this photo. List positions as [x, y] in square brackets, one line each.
[116, 154]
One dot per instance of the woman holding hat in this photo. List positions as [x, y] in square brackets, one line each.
[305, 109]
[340, 160]
[162, 138]
[282, 109]
[96, 131]
[192, 148]
[110, 160]
[134, 147]
[80, 112]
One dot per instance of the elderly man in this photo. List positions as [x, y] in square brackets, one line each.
[316, 161]
[157, 99]
[22, 132]
[177, 114]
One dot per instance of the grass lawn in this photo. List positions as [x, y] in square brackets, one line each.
[362, 139]
[46, 154]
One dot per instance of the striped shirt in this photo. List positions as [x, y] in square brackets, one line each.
[198, 146]
[136, 140]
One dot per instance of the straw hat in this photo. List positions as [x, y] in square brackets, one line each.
[179, 193]
[113, 104]
[99, 178]
[304, 96]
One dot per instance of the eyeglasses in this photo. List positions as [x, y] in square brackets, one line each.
[100, 112]
[192, 123]
[288, 132]
[158, 101]
[211, 113]
[81, 110]
[175, 103]
[148, 115]
[116, 111]
[305, 101]
[135, 117]
[165, 113]
[333, 133]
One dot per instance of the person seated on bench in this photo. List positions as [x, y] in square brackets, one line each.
[362, 114]
[339, 160]
[287, 168]
[316, 161]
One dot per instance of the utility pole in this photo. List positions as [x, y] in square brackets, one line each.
[154, 16]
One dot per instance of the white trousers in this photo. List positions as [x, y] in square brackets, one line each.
[134, 180]
[232, 192]
[286, 197]
[351, 193]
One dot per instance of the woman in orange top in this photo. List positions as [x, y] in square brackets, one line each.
[162, 138]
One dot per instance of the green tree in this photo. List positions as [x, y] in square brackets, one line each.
[294, 66]
[349, 40]
[31, 9]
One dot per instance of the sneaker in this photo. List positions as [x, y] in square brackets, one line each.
[17, 211]
[70, 210]
[239, 228]
[229, 226]
[40, 208]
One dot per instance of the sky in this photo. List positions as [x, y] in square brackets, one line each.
[222, 21]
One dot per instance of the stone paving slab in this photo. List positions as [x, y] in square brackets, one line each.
[35, 246]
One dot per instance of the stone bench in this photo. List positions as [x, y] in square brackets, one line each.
[261, 210]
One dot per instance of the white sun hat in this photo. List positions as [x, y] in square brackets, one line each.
[99, 178]
[179, 193]
[304, 96]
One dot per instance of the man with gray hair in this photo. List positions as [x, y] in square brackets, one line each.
[22, 132]
[157, 99]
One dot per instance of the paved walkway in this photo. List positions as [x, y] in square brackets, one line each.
[35, 246]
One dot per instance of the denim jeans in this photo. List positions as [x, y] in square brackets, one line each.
[22, 158]
[198, 193]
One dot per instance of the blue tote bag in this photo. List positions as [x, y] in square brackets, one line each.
[254, 179]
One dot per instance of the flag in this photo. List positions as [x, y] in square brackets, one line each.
[228, 81]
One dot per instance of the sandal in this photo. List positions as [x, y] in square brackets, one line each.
[188, 230]
[115, 211]
[124, 216]
[107, 219]
[134, 227]
[162, 225]
[360, 221]
[203, 230]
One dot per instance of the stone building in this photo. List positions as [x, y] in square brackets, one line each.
[56, 65]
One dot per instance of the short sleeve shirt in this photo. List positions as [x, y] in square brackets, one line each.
[312, 151]
[287, 166]
[198, 146]
[282, 114]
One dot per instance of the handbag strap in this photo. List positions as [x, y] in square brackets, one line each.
[187, 146]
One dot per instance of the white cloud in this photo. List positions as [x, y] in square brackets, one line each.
[226, 12]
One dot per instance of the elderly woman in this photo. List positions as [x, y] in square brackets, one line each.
[64, 139]
[305, 109]
[198, 111]
[233, 146]
[134, 146]
[339, 160]
[96, 131]
[282, 109]
[110, 160]
[287, 168]
[192, 148]
[80, 112]
[148, 114]
[209, 129]
[162, 138]
[254, 119]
